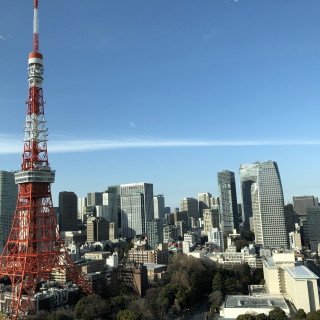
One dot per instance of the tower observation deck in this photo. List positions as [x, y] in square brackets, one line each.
[34, 248]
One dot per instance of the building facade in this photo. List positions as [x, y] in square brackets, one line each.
[204, 200]
[97, 229]
[136, 207]
[268, 207]
[154, 233]
[248, 174]
[301, 203]
[68, 211]
[313, 216]
[190, 205]
[8, 202]
[159, 206]
[228, 201]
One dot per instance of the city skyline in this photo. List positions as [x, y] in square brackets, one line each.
[168, 92]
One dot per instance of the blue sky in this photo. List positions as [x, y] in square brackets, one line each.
[167, 91]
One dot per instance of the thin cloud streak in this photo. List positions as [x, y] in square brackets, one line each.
[13, 146]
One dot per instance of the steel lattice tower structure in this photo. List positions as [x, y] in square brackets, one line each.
[34, 248]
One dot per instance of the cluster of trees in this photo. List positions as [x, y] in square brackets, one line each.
[189, 281]
[279, 314]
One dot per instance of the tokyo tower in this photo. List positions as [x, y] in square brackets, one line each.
[34, 248]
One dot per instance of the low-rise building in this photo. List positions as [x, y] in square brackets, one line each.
[234, 306]
[158, 256]
[133, 275]
[156, 271]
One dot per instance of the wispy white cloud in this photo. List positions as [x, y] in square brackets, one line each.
[132, 124]
[2, 37]
[9, 145]
[211, 34]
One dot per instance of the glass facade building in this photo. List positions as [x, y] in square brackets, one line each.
[267, 205]
[136, 207]
[228, 201]
[8, 202]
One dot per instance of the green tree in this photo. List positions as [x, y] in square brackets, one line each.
[301, 314]
[230, 286]
[215, 298]
[277, 314]
[92, 307]
[167, 295]
[128, 315]
[246, 316]
[218, 283]
[315, 315]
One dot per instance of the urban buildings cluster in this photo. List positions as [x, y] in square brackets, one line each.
[206, 228]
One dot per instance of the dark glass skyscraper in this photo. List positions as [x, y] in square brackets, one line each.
[228, 201]
[8, 202]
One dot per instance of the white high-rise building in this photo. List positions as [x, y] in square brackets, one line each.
[136, 207]
[82, 203]
[267, 206]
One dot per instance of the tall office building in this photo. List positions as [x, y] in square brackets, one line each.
[210, 219]
[159, 206]
[267, 207]
[97, 229]
[94, 199]
[313, 216]
[190, 205]
[204, 201]
[154, 233]
[248, 174]
[214, 201]
[110, 206]
[300, 204]
[68, 211]
[116, 191]
[228, 201]
[136, 207]
[8, 201]
[82, 203]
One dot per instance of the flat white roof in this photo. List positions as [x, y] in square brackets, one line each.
[254, 302]
[300, 272]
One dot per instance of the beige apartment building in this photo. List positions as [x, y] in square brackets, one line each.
[296, 282]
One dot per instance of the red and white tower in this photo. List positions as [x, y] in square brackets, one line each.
[34, 248]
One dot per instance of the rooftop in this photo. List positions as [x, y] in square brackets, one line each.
[254, 302]
[300, 272]
[154, 265]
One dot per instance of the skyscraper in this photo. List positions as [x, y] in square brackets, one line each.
[110, 206]
[191, 206]
[82, 203]
[159, 206]
[116, 191]
[8, 201]
[268, 207]
[248, 174]
[136, 207]
[313, 215]
[94, 199]
[97, 229]
[68, 211]
[228, 201]
[154, 233]
[204, 200]
[301, 203]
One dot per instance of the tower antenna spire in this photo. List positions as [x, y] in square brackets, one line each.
[35, 27]
[34, 250]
